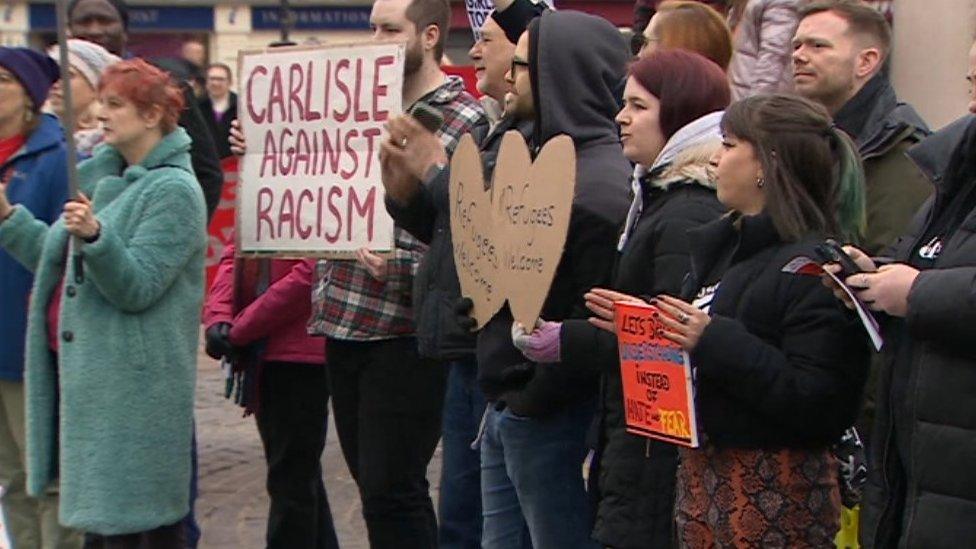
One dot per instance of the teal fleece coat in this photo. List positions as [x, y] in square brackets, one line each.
[128, 341]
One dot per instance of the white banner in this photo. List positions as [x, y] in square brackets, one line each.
[480, 10]
[313, 121]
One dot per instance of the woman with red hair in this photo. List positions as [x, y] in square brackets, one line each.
[114, 316]
[669, 126]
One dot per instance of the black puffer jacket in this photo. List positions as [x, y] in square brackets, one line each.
[573, 82]
[921, 489]
[436, 288]
[636, 474]
[781, 364]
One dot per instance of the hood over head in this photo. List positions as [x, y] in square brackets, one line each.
[577, 63]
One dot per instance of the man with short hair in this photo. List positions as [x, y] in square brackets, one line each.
[106, 22]
[533, 441]
[219, 106]
[420, 205]
[388, 397]
[839, 53]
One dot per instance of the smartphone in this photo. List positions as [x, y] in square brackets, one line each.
[429, 117]
[831, 252]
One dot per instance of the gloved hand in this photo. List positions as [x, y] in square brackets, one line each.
[462, 308]
[217, 339]
[542, 345]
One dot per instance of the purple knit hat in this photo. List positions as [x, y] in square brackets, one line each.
[35, 71]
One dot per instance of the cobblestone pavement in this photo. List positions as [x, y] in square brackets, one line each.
[233, 505]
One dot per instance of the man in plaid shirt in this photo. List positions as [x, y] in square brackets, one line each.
[386, 398]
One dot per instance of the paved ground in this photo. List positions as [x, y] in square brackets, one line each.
[233, 504]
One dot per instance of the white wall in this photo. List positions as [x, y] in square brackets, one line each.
[929, 63]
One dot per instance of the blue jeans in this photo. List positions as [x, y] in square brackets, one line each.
[190, 526]
[459, 508]
[532, 483]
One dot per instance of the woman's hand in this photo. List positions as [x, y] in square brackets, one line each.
[79, 218]
[886, 290]
[683, 323]
[236, 139]
[600, 302]
[862, 260]
[5, 207]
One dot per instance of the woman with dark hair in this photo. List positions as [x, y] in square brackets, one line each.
[669, 125]
[114, 324]
[779, 366]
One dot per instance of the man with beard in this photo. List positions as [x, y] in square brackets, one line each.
[839, 53]
[533, 443]
[387, 397]
[106, 22]
[421, 206]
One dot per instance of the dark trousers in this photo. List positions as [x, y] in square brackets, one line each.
[172, 536]
[293, 422]
[387, 403]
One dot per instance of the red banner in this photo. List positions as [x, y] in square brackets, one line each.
[221, 230]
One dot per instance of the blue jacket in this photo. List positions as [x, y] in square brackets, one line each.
[38, 181]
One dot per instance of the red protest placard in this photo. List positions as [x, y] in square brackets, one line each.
[656, 376]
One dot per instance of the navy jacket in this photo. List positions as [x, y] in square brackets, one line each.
[37, 179]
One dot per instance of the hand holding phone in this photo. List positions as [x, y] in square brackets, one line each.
[831, 252]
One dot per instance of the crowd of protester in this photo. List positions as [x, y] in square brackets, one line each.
[729, 138]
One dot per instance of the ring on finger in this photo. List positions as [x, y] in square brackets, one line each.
[683, 318]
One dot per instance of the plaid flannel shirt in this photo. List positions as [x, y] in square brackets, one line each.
[347, 302]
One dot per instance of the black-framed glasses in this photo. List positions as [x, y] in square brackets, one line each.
[518, 63]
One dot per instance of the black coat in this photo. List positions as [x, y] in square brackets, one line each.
[203, 152]
[220, 131]
[573, 85]
[927, 393]
[436, 287]
[637, 474]
[782, 364]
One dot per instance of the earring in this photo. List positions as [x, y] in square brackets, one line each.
[760, 181]
[29, 115]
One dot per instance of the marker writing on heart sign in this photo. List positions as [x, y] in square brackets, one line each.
[477, 246]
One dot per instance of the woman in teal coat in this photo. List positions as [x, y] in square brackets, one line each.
[112, 337]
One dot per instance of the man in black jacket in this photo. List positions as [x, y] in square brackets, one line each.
[219, 106]
[105, 22]
[533, 443]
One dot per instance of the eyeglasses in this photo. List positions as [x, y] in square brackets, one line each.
[518, 63]
[638, 41]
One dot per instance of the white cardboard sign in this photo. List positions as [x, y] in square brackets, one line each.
[313, 119]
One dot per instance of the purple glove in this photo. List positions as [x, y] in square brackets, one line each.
[542, 345]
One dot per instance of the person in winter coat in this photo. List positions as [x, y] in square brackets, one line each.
[921, 491]
[292, 386]
[534, 439]
[778, 365]
[33, 177]
[113, 324]
[670, 127]
[87, 61]
[688, 25]
[763, 31]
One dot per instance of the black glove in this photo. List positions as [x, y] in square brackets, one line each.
[462, 308]
[218, 341]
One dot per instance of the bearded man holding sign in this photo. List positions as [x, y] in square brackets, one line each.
[386, 398]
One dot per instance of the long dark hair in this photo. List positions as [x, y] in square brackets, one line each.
[814, 182]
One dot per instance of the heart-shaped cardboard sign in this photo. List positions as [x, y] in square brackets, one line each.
[509, 239]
